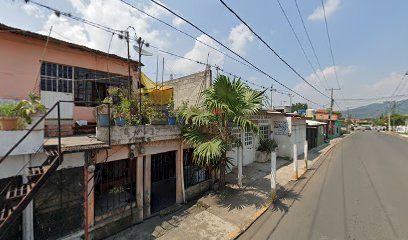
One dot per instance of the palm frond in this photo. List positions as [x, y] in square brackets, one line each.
[209, 153]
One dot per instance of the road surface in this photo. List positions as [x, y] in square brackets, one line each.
[359, 192]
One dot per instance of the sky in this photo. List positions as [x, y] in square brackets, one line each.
[369, 41]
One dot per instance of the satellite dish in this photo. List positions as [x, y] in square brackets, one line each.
[144, 52]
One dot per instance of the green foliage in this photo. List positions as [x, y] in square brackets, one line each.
[122, 106]
[299, 106]
[227, 104]
[8, 110]
[267, 145]
[396, 120]
[27, 108]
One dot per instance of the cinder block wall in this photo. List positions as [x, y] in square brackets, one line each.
[189, 88]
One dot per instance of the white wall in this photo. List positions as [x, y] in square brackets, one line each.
[13, 164]
[288, 131]
[49, 98]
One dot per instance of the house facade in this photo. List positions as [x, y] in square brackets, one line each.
[333, 127]
[71, 184]
[58, 70]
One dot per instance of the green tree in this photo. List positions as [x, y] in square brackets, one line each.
[299, 106]
[227, 104]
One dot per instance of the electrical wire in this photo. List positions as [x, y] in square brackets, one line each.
[300, 44]
[310, 42]
[184, 33]
[230, 50]
[270, 48]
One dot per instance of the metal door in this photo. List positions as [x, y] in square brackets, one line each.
[163, 179]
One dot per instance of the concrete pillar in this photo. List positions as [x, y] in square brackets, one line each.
[139, 187]
[295, 162]
[179, 174]
[239, 160]
[305, 153]
[147, 185]
[273, 175]
[28, 216]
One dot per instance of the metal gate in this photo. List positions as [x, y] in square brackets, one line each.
[311, 136]
[163, 180]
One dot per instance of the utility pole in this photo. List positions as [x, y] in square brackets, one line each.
[331, 106]
[348, 119]
[272, 90]
[128, 60]
[290, 101]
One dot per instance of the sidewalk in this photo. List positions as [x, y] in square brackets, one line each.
[223, 215]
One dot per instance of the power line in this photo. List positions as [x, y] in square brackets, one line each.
[310, 42]
[270, 48]
[330, 44]
[184, 33]
[372, 99]
[300, 44]
[223, 45]
[120, 33]
[400, 83]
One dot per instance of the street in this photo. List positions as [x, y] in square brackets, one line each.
[359, 192]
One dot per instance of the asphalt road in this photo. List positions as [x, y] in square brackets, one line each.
[359, 192]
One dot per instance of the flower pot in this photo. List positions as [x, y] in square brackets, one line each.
[103, 120]
[120, 121]
[171, 120]
[8, 123]
[158, 121]
[262, 156]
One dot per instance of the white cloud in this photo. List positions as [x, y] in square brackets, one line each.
[200, 53]
[177, 21]
[33, 10]
[64, 30]
[239, 38]
[318, 81]
[111, 13]
[330, 7]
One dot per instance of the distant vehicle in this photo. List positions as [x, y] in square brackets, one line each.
[367, 127]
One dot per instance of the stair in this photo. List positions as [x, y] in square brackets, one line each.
[17, 192]
[19, 196]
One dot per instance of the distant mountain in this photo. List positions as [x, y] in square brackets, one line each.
[376, 109]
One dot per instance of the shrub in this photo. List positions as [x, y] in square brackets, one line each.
[267, 145]
[8, 110]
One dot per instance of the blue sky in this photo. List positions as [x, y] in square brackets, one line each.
[369, 39]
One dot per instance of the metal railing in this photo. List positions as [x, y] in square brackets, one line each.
[58, 106]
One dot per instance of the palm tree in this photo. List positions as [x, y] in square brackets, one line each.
[227, 104]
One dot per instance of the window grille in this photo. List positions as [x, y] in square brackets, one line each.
[56, 77]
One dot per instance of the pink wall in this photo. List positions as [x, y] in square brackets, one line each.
[20, 63]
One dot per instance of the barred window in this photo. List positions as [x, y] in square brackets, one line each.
[248, 138]
[56, 77]
[264, 132]
[236, 132]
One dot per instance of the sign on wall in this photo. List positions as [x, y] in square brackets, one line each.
[281, 128]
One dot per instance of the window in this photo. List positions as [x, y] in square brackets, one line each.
[92, 86]
[56, 77]
[264, 132]
[193, 174]
[236, 132]
[248, 138]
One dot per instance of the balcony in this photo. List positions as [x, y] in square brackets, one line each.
[135, 134]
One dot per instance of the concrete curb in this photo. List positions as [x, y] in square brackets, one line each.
[289, 186]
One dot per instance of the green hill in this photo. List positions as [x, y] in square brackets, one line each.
[376, 109]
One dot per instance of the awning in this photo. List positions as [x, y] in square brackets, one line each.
[315, 123]
[160, 95]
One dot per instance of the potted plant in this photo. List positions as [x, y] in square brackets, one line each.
[264, 150]
[8, 116]
[31, 111]
[171, 119]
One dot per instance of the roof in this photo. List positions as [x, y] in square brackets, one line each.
[26, 33]
[315, 123]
